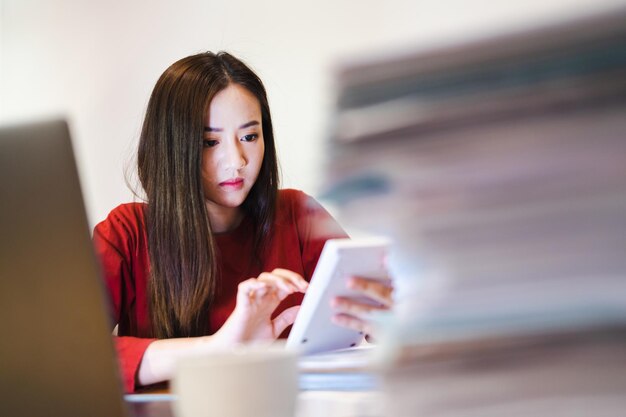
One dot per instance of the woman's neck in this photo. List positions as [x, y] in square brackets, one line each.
[224, 219]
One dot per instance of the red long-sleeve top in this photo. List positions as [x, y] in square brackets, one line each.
[301, 228]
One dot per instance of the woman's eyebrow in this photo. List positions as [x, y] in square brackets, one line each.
[243, 126]
[249, 124]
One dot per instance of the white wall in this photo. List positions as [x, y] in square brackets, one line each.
[96, 63]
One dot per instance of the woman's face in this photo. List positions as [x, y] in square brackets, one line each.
[233, 147]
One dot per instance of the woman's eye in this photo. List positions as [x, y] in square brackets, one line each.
[250, 138]
[209, 143]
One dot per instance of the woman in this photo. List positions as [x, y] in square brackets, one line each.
[179, 268]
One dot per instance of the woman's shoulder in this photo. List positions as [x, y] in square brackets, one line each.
[298, 206]
[127, 212]
[312, 221]
[291, 196]
[121, 237]
[294, 201]
[127, 217]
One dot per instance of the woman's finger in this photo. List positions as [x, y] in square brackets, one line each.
[253, 288]
[245, 287]
[355, 307]
[380, 291]
[285, 319]
[293, 277]
[250, 284]
[277, 281]
[351, 322]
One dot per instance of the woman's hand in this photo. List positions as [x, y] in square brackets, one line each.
[257, 298]
[352, 312]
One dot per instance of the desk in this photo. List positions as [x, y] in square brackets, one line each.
[310, 404]
[333, 384]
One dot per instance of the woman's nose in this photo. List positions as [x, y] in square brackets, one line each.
[234, 157]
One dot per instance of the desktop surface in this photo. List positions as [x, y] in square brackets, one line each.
[310, 404]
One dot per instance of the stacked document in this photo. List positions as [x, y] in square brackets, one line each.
[340, 370]
[499, 170]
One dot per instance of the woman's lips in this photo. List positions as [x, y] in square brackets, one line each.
[232, 184]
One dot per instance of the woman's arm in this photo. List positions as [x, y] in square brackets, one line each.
[160, 357]
[257, 298]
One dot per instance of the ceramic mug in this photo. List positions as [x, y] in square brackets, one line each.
[244, 382]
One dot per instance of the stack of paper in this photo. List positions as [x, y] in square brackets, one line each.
[339, 370]
[499, 169]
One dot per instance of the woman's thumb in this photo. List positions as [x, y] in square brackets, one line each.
[285, 319]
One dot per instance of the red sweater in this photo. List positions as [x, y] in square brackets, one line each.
[301, 227]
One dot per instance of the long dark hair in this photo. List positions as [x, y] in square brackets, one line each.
[183, 274]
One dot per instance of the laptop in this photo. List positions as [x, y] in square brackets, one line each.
[56, 351]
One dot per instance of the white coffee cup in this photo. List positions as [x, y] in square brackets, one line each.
[244, 382]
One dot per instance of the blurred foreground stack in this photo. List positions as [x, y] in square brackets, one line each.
[499, 169]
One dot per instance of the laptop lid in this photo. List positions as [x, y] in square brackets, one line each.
[56, 352]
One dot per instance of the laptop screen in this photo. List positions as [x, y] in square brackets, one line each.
[56, 352]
